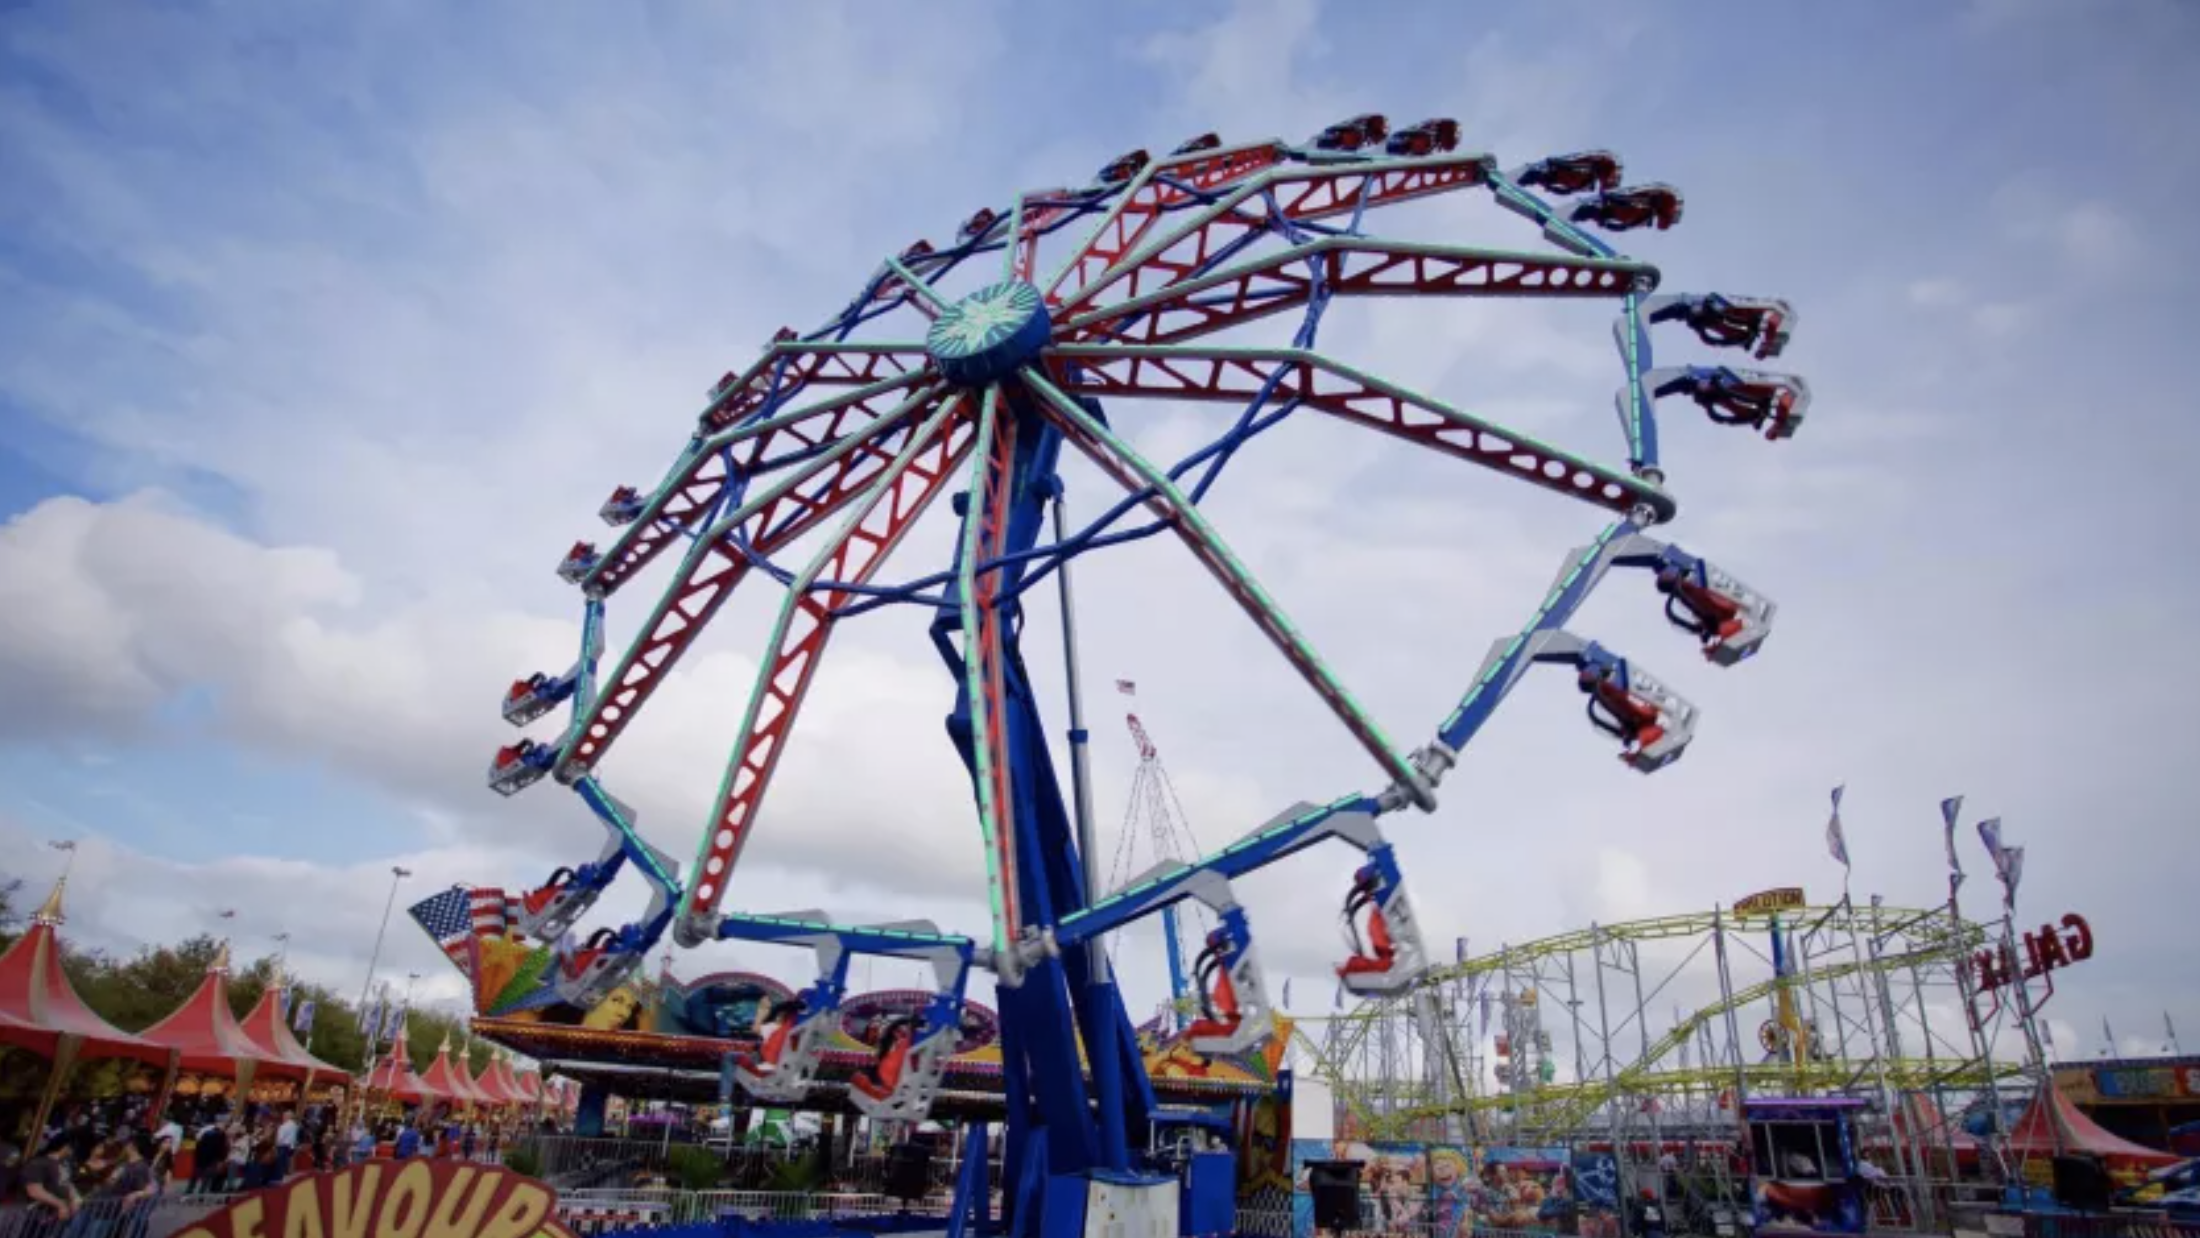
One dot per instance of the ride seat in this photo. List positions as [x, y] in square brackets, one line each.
[1382, 951]
[1224, 1002]
[879, 1082]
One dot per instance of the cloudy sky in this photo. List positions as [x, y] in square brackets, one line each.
[324, 330]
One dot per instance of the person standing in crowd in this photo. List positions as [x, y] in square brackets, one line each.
[408, 1141]
[362, 1143]
[240, 1150]
[130, 1183]
[210, 1159]
[286, 1143]
[169, 1136]
[49, 1181]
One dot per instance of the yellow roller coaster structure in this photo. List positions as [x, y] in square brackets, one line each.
[1412, 1066]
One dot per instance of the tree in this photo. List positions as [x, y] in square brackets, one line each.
[11, 909]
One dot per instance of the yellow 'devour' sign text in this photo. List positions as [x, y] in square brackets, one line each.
[417, 1198]
[1765, 902]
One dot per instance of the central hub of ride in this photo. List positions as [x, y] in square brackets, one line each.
[982, 338]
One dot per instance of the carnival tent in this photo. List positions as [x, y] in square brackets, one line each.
[205, 1032]
[394, 1077]
[1935, 1134]
[268, 1030]
[40, 1010]
[497, 1082]
[2054, 1126]
[481, 1085]
[450, 1082]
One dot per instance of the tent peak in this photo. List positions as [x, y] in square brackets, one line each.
[49, 912]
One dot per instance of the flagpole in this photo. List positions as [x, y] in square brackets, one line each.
[2008, 870]
[1951, 811]
[68, 847]
[398, 873]
[1919, 1204]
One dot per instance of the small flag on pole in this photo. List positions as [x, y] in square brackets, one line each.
[1951, 810]
[2008, 861]
[1837, 844]
[1126, 687]
[282, 1004]
[1287, 992]
[304, 1022]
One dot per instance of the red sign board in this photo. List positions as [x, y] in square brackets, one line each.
[416, 1198]
[2053, 946]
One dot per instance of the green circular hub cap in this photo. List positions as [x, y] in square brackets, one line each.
[986, 335]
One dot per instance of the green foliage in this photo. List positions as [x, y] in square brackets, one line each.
[693, 1168]
[523, 1160]
[11, 909]
[803, 1174]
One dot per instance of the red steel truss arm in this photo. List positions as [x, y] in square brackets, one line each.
[1301, 194]
[773, 520]
[837, 365]
[1352, 266]
[1137, 475]
[1236, 375]
[984, 535]
[1136, 213]
[894, 501]
[701, 476]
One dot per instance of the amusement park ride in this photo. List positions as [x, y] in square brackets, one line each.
[843, 440]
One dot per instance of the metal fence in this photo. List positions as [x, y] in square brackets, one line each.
[595, 1212]
[158, 1217]
[572, 1164]
[1276, 1223]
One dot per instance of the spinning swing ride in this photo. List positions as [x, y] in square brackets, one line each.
[1118, 291]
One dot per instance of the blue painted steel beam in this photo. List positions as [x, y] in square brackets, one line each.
[1256, 850]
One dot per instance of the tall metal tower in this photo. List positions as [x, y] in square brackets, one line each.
[1155, 815]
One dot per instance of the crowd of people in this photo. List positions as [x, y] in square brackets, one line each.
[86, 1174]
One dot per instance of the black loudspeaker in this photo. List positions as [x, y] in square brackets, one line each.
[1335, 1186]
[909, 1172]
[2082, 1183]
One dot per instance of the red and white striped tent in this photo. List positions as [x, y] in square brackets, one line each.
[40, 1010]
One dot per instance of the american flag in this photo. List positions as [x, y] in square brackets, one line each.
[493, 911]
[449, 919]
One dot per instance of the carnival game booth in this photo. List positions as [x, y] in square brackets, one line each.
[1803, 1163]
[40, 1012]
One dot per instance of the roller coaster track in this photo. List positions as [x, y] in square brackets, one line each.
[1560, 1107]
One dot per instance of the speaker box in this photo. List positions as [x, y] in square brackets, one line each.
[909, 1172]
[2081, 1182]
[1335, 1186]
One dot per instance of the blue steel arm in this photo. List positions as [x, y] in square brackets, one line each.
[1293, 830]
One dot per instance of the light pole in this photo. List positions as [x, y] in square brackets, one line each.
[397, 874]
